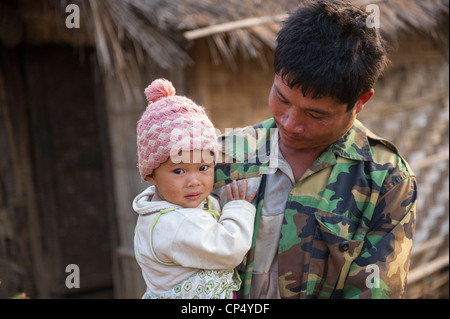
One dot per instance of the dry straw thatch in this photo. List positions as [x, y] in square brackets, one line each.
[124, 31]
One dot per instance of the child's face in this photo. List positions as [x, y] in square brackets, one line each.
[186, 183]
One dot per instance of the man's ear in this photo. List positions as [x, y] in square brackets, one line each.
[363, 100]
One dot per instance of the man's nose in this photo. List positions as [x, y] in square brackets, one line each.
[293, 121]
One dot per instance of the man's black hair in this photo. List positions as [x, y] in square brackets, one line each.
[326, 49]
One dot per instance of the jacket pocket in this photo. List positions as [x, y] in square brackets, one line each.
[333, 253]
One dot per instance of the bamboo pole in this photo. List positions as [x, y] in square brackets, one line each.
[432, 159]
[428, 268]
[426, 245]
[408, 105]
[230, 26]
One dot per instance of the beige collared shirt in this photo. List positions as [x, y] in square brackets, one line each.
[279, 181]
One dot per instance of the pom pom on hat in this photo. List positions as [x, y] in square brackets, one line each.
[159, 89]
[171, 124]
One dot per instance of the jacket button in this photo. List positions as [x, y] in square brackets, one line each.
[344, 246]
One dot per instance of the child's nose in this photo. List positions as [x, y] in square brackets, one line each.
[193, 180]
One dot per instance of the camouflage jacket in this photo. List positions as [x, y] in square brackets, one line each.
[348, 222]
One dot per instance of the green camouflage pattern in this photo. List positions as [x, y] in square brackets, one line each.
[348, 220]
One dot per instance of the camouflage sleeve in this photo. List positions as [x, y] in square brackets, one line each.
[381, 270]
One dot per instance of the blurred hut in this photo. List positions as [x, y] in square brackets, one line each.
[70, 98]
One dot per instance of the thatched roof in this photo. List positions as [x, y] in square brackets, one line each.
[158, 26]
[124, 31]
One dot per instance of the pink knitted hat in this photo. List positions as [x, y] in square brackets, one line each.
[171, 124]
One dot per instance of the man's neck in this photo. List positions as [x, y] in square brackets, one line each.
[300, 160]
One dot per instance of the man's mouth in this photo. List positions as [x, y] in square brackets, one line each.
[290, 137]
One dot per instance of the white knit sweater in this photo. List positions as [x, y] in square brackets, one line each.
[189, 237]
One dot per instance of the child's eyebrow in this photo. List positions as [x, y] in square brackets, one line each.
[176, 164]
[180, 163]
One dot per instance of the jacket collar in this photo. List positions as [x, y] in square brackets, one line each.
[354, 145]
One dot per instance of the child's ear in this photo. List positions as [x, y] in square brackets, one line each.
[150, 179]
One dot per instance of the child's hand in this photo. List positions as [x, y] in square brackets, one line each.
[233, 192]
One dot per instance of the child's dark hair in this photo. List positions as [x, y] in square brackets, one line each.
[326, 49]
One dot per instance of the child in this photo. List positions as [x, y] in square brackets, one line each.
[185, 247]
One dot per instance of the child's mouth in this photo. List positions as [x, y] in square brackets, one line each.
[193, 196]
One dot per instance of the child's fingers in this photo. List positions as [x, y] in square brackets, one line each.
[229, 193]
[233, 192]
[235, 189]
[252, 196]
[243, 191]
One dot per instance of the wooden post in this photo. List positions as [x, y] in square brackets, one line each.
[19, 149]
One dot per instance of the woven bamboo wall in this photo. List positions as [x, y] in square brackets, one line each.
[417, 122]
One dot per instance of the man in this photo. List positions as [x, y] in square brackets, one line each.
[336, 204]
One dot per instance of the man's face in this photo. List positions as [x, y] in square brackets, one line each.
[305, 123]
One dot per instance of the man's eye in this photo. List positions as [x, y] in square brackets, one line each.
[178, 171]
[316, 116]
[283, 101]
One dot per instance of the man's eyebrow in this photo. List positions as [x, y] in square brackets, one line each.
[318, 111]
[307, 109]
[279, 93]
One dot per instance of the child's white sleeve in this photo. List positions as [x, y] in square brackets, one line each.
[202, 242]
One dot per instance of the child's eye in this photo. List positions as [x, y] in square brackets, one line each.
[203, 168]
[178, 171]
